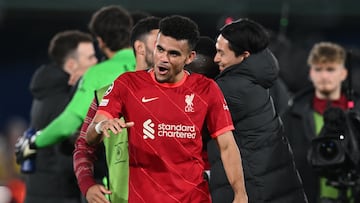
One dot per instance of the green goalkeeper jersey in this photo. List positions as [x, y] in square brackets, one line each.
[117, 160]
[98, 76]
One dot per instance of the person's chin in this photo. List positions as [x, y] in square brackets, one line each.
[326, 91]
[160, 78]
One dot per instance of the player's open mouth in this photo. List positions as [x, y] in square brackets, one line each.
[163, 70]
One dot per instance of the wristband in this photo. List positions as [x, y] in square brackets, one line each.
[32, 144]
[98, 128]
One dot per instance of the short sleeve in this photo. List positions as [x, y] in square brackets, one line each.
[111, 103]
[218, 116]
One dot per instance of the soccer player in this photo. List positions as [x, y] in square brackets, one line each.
[72, 53]
[111, 27]
[142, 38]
[165, 109]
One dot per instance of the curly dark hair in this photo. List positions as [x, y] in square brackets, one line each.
[112, 24]
[180, 28]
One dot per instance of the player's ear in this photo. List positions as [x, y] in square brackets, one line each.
[190, 57]
[70, 65]
[139, 47]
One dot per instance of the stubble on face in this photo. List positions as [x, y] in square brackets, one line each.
[170, 56]
[149, 47]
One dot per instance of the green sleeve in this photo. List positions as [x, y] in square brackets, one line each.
[59, 129]
[83, 96]
[70, 120]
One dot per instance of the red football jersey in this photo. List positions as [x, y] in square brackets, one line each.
[165, 144]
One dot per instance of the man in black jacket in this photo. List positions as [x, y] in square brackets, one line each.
[304, 119]
[248, 70]
[72, 53]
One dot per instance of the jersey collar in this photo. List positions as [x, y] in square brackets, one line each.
[170, 85]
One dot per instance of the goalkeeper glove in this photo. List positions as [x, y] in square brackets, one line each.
[25, 146]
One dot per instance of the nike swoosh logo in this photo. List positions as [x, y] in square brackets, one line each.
[144, 100]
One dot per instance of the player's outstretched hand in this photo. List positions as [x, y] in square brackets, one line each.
[114, 125]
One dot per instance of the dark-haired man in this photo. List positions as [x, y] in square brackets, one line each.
[248, 70]
[142, 38]
[165, 109]
[72, 53]
[111, 27]
[204, 64]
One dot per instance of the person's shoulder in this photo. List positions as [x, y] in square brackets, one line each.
[95, 69]
[197, 76]
[104, 63]
[303, 93]
[356, 100]
[133, 75]
[196, 80]
[108, 66]
[300, 100]
[124, 57]
[124, 53]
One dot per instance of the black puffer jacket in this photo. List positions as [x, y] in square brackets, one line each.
[54, 179]
[299, 128]
[270, 174]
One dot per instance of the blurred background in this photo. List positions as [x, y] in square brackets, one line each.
[27, 26]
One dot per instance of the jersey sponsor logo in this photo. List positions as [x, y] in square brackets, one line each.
[176, 131]
[225, 106]
[109, 89]
[168, 130]
[104, 102]
[189, 103]
[148, 129]
[145, 100]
